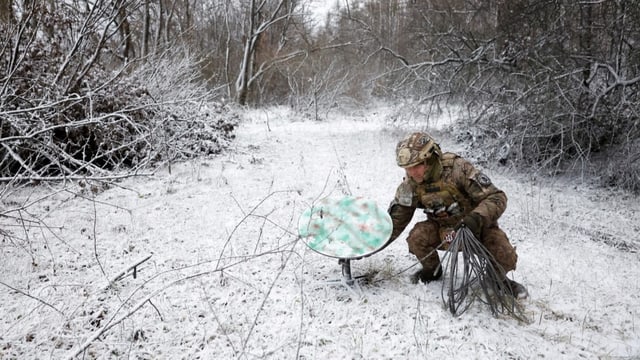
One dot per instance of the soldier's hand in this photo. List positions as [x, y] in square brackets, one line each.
[474, 222]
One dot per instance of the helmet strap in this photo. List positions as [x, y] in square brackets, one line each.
[434, 169]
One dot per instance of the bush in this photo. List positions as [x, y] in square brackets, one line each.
[156, 112]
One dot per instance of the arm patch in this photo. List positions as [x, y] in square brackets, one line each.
[404, 194]
[482, 180]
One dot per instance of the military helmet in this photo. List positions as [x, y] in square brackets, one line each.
[416, 148]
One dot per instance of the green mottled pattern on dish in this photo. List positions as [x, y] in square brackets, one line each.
[346, 227]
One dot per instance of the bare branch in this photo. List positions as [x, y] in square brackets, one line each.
[32, 297]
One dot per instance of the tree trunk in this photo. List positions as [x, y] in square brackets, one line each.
[585, 41]
[160, 28]
[242, 83]
[124, 29]
[6, 11]
[145, 31]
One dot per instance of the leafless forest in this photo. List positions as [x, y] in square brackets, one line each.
[96, 89]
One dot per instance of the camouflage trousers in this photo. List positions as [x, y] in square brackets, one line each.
[425, 238]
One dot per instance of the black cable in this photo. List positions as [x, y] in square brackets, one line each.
[478, 276]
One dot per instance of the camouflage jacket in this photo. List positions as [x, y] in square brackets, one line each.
[461, 189]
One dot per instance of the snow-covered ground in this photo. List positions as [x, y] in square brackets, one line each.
[228, 278]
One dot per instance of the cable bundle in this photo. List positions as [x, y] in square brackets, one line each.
[478, 276]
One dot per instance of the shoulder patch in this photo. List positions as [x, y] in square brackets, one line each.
[482, 179]
[404, 194]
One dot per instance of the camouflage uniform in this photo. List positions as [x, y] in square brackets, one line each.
[452, 190]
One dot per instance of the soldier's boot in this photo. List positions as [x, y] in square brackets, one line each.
[431, 269]
[426, 275]
[516, 289]
[423, 240]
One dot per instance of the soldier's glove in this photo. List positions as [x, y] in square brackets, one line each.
[474, 222]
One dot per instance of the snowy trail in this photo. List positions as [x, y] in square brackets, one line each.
[238, 212]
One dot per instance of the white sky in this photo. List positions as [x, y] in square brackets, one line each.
[320, 8]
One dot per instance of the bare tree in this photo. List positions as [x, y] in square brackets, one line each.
[124, 29]
[567, 70]
[261, 18]
[69, 110]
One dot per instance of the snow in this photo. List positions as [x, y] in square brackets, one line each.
[228, 278]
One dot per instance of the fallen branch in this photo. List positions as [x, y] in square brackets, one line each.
[125, 271]
[113, 321]
[32, 297]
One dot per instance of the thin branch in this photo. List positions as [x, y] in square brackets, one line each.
[20, 178]
[32, 297]
[119, 275]
[95, 238]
